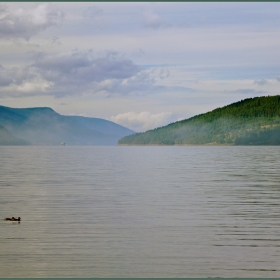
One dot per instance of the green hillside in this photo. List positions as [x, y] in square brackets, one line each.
[252, 121]
[6, 138]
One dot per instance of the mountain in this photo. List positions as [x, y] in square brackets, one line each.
[252, 121]
[43, 126]
[6, 138]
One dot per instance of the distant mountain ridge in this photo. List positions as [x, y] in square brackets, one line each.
[252, 121]
[44, 126]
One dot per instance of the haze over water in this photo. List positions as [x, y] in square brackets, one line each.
[182, 211]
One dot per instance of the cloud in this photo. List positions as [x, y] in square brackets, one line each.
[261, 82]
[36, 85]
[24, 23]
[55, 39]
[16, 81]
[142, 121]
[152, 20]
[138, 84]
[278, 79]
[80, 72]
[249, 91]
[83, 73]
[14, 75]
[5, 78]
[79, 66]
[164, 73]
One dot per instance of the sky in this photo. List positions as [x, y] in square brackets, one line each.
[139, 64]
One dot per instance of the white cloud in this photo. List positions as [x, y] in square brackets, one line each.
[14, 75]
[24, 23]
[35, 86]
[81, 72]
[142, 121]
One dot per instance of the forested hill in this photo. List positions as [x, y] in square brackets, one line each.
[252, 121]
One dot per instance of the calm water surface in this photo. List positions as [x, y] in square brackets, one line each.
[140, 211]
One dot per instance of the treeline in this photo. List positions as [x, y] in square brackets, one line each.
[253, 121]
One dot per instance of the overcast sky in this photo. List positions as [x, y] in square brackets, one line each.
[141, 65]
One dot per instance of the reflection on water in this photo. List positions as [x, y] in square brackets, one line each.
[140, 212]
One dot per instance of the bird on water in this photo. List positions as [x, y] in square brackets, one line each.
[13, 219]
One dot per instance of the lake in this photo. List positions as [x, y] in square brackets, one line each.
[181, 211]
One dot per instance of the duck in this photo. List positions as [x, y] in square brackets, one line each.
[13, 219]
